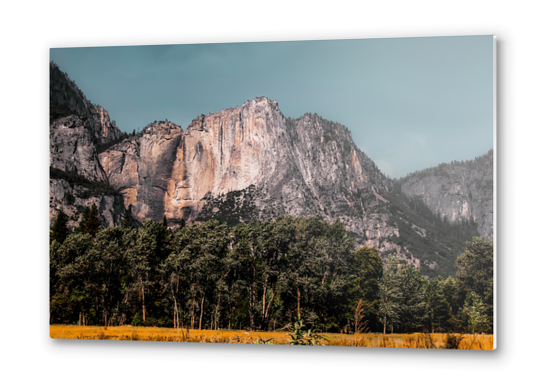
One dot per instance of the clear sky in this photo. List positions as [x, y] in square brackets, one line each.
[410, 103]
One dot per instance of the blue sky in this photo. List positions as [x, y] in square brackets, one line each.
[410, 103]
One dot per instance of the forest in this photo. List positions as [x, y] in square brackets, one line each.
[259, 275]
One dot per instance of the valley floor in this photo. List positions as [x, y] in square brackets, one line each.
[415, 340]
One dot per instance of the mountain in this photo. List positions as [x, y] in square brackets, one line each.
[457, 192]
[77, 128]
[248, 163]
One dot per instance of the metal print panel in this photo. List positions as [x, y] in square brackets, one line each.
[187, 204]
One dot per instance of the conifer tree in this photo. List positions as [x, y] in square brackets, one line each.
[59, 231]
[164, 221]
[126, 223]
[93, 225]
[84, 220]
[390, 295]
[475, 313]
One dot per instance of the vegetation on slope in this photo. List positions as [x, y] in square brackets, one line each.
[92, 188]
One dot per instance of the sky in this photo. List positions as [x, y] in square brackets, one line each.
[410, 103]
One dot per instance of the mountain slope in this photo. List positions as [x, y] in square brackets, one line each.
[457, 192]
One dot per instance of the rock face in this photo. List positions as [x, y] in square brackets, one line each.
[459, 191]
[63, 196]
[77, 127]
[268, 164]
[73, 148]
[141, 168]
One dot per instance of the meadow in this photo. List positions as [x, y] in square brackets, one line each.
[414, 340]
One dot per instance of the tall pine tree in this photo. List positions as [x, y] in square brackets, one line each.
[91, 222]
[84, 220]
[60, 231]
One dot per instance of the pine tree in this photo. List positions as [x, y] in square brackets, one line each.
[475, 312]
[390, 294]
[126, 222]
[84, 220]
[60, 231]
[366, 269]
[475, 273]
[164, 221]
[92, 225]
[412, 309]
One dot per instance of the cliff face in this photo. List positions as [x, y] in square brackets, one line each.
[459, 191]
[76, 128]
[72, 148]
[141, 168]
[64, 196]
[251, 162]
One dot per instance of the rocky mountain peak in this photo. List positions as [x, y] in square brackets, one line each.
[161, 128]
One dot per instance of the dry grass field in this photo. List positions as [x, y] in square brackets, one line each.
[416, 340]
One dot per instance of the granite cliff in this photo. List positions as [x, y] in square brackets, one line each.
[251, 162]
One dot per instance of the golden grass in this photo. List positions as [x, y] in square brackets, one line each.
[415, 340]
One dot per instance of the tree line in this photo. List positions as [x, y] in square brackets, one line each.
[259, 275]
[442, 168]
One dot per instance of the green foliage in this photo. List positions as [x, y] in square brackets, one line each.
[90, 222]
[137, 321]
[442, 242]
[402, 297]
[256, 275]
[366, 273]
[438, 307]
[300, 336]
[475, 274]
[390, 294]
[412, 309]
[261, 340]
[59, 230]
[475, 312]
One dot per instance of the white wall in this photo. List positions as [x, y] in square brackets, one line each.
[29, 30]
